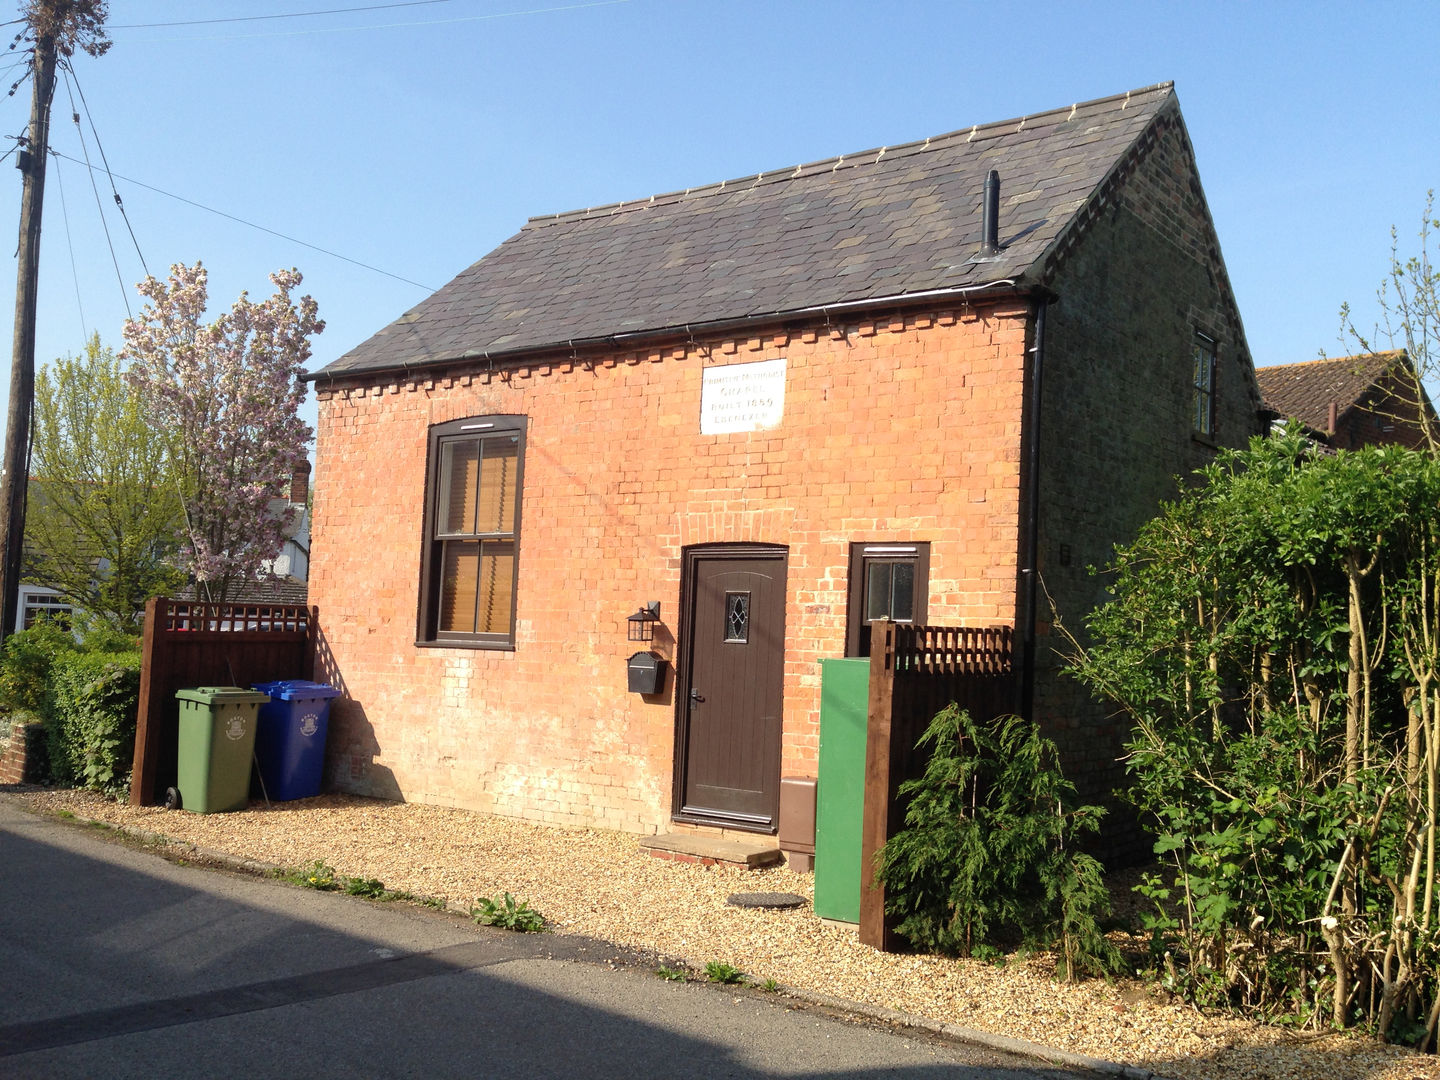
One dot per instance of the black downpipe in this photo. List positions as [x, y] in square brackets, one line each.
[1029, 569]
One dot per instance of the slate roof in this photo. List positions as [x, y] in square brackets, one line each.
[884, 223]
[276, 590]
[1304, 391]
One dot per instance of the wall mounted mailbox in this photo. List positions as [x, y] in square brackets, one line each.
[646, 673]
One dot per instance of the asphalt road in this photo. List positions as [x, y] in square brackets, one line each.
[117, 963]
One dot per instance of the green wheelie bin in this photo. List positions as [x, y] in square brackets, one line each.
[216, 745]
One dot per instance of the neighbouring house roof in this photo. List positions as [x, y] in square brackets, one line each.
[299, 523]
[1306, 391]
[278, 590]
[893, 222]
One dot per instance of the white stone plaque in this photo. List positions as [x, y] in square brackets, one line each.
[742, 397]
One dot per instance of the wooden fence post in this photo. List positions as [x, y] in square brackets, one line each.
[879, 784]
[147, 719]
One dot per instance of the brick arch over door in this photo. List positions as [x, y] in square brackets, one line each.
[731, 686]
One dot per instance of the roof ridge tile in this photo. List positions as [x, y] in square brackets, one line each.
[1378, 354]
[993, 129]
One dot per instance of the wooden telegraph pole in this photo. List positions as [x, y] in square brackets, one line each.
[58, 28]
[16, 475]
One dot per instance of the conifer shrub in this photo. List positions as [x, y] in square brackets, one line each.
[987, 858]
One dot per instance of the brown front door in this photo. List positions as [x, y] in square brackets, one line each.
[728, 738]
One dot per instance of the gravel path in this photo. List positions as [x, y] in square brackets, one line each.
[602, 884]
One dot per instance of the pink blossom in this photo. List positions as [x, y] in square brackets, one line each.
[227, 395]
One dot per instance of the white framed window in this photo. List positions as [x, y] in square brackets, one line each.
[38, 601]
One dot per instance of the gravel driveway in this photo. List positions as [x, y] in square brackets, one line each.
[602, 884]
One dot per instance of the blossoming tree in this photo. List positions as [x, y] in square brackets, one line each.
[227, 394]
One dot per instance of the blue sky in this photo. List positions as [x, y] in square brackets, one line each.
[414, 138]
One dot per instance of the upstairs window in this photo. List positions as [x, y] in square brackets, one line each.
[1203, 393]
[472, 532]
[887, 581]
[35, 605]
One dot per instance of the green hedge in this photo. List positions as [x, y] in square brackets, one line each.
[25, 662]
[90, 719]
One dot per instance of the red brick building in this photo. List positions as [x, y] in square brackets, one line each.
[779, 406]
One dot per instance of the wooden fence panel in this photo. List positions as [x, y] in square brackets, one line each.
[915, 671]
[189, 644]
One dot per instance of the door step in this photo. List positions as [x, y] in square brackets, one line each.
[712, 850]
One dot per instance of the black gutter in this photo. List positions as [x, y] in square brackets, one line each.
[619, 342]
[1029, 584]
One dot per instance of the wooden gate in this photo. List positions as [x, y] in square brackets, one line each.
[915, 671]
[190, 644]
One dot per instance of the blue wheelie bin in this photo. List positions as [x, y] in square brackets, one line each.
[290, 737]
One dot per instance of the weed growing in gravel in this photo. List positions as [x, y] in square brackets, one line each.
[670, 974]
[989, 953]
[769, 986]
[317, 875]
[436, 902]
[507, 913]
[719, 972]
[320, 875]
[370, 888]
[65, 815]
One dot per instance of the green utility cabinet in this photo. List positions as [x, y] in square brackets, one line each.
[840, 787]
[216, 746]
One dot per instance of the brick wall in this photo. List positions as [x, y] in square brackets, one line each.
[1116, 422]
[22, 755]
[906, 429]
[1389, 412]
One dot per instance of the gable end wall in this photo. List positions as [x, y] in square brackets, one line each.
[1387, 413]
[1116, 426]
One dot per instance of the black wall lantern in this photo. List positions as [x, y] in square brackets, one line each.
[641, 625]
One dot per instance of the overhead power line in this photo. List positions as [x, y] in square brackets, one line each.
[378, 26]
[251, 224]
[286, 15]
[71, 78]
[104, 224]
[69, 243]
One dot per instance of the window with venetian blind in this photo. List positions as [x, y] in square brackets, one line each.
[472, 528]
